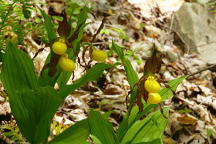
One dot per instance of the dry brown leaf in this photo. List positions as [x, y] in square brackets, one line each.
[185, 119]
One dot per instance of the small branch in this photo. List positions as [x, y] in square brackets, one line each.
[204, 69]
[99, 29]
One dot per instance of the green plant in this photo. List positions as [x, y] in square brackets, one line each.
[34, 100]
[133, 129]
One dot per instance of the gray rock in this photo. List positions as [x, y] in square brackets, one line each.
[196, 28]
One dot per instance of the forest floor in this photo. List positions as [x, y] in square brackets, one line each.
[192, 116]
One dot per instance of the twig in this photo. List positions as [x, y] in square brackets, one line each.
[204, 69]
[99, 29]
[40, 50]
[185, 100]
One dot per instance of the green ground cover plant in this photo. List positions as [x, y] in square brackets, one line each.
[34, 100]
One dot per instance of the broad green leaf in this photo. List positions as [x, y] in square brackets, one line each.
[130, 72]
[76, 42]
[131, 133]
[49, 26]
[18, 70]
[146, 109]
[81, 20]
[166, 93]
[174, 83]
[91, 75]
[106, 115]
[156, 141]
[76, 134]
[127, 122]
[1, 55]
[63, 79]
[132, 76]
[146, 130]
[44, 78]
[33, 110]
[123, 128]
[83, 15]
[101, 128]
[118, 50]
[95, 139]
[70, 10]
[135, 115]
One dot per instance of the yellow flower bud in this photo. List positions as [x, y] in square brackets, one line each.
[154, 98]
[59, 47]
[66, 64]
[151, 85]
[99, 55]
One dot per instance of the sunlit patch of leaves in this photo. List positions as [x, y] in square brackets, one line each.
[11, 131]
[212, 6]
[58, 128]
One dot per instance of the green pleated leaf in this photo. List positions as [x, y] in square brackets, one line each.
[83, 15]
[166, 93]
[76, 134]
[127, 122]
[118, 50]
[18, 70]
[33, 110]
[91, 75]
[45, 79]
[49, 26]
[63, 79]
[131, 74]
[101, 128]
[95, 139]
[156, 141]
[81, 21]
[147, 130]
[77, 36]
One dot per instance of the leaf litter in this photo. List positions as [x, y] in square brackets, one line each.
[192, 115]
